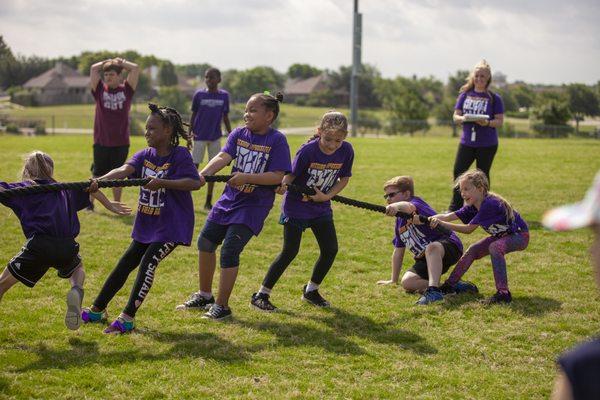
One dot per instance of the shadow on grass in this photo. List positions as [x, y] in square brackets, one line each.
[343, 326]
[535, 225]
[124, 219]
[4, 386]
[84, 353]
[530, 306]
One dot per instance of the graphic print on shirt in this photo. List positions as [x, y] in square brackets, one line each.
[151, 201]
[323, 176]
[497, 229]
[475, 105]
[413, 239]
[212, 102]
[250, 159]
[113, 101]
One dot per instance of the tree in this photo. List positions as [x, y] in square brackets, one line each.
[196, 70]
[510, 104]
[339, 81]
[524, 95]
[166, 74]
[255, 80]
[582, 101]
[170, 96]
[8, 66]
[554, 115]
[401, 97]
[302, 71]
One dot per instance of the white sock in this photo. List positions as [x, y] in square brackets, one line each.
[264, 290]
[311, 286]
[206, 295]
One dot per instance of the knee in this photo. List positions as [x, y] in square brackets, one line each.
[495, 249]
[330, 251]
[206, 245]
[434, 249]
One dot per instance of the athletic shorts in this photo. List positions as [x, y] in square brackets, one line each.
[451, 256]
[234, 238]
[40, 253]
[108, 158]
[213, 148]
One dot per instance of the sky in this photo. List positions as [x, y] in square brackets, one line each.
[536, 41]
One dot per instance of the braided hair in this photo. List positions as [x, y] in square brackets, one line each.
[171, 117]
[270, 102]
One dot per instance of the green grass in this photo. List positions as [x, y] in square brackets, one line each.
[373, 343]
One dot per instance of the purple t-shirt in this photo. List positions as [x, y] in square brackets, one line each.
[250, 204]
[52, 213]
[111, 122]
[164, 215]
[491, 216]
[472, 102]
[417, 237]
[313, 168]
[209, 108]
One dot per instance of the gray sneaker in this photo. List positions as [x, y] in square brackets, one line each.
[73, 315]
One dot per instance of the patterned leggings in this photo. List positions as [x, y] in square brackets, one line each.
[496, 248]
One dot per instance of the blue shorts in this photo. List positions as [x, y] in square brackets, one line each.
[234, 238]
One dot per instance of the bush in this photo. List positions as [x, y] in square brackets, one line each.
[397, 126]
[24, 98]
[552, 131]
[11, 127]
[517, 114]
[40, 129]
[507, 130]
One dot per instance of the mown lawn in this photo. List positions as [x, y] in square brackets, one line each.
[373, 343]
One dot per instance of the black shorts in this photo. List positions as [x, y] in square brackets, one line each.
[451, 256]
[40, 253]
[108, 158]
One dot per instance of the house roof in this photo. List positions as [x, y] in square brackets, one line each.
[62, 72]
[304, 86]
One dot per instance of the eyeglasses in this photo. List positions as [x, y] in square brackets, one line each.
[390, 195]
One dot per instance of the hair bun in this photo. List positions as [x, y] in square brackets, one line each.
[153, 107]
[279, 97]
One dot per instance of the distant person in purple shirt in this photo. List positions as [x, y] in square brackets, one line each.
[580, 367]
[261, 156]
[111, 122]
[165, 214]
[488, 210]
[325, 164]
[480, 112]
[50, 224]
[433, 252]
[209, 108]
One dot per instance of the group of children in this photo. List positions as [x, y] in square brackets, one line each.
[261, 157]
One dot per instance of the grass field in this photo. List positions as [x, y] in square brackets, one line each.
[373, 343]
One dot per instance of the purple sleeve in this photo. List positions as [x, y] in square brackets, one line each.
[280, 154]
[231, 144]
[226, 104]
[486, 216]
[346, 170]
[183, 166]
[195, 102]
[460, 101]
[498, 105]
[300, 163]
[137, 162]
[466, 214]
[80, 199]
[10, 202]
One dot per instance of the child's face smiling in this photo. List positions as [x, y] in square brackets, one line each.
[158, 134]
[481, 79]
[331, 140]
[471, 195]
[256, 116]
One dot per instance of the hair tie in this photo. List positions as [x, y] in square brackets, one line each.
[267, 92]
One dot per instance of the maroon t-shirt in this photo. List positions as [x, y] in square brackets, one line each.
[111, 124]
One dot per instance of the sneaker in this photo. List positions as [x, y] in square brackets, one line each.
[119, 327]
[498, 298]
[314, 298]
[261, 302]
[217, 312]
[197, 302]
[430, 295]
[459, 287]
[73, 315]
[93, 317]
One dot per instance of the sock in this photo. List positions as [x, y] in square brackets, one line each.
[206, 295]
[264, 290]
[311, 286]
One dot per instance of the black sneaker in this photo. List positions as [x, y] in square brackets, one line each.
[314, 298]
[459, 287]
[217, 313]
[197, 302]
[498, 298]
[261, 302]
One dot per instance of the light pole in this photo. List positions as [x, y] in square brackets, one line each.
[356, 67]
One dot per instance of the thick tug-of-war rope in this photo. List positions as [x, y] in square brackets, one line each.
[54, 187]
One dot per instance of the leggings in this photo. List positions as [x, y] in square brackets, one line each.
[496, 248]
[145, 255]
[326, 238]
[483, 156]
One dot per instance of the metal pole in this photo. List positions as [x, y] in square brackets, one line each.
[356, 67]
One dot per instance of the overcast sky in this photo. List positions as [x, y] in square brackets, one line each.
[551, 41]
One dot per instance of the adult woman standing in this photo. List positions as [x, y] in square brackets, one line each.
[480, 111]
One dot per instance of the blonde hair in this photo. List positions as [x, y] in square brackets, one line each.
[403, 183]
[470, 81]
[334, 121]
[478, 179]
[37, 165]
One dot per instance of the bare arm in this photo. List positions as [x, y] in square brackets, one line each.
[264, 178]
[191, 128]
[95, 74]
[133, 72]
[216, 164]
[113, 206]
[335, 189]
[458, 117]
[451, 216]
[462, 228]
[562, 388]
[186, 184]
[401, 206]
[227, 123]
[118, 173]
[397, 258]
